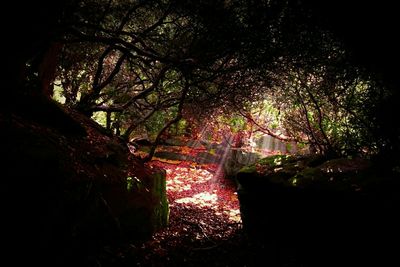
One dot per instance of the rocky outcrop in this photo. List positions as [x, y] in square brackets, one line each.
[68, 193]
[236, 159]
[340, 209]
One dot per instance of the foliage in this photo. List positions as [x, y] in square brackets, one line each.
[149, 64]
[100, 118]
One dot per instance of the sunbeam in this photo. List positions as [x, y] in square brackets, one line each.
[200, 186]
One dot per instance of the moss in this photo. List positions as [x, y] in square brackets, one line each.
[248, 169]
[276, 160]
[161, 210]
[307, 177]
[314, 160]
[268, 163]
[314, 172]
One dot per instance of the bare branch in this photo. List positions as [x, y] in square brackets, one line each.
[177, 118]
[264, 129]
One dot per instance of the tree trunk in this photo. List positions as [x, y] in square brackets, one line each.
[47, 68]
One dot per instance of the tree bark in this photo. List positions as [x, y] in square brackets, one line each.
[47, 68]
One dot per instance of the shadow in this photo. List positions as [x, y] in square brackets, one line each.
[322, 228]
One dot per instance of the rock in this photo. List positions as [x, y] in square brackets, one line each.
[320, 208]
[159, 192]
[140, 206]
[236, 159]
[67, 195]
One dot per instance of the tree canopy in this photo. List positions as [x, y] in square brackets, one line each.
[296, 70]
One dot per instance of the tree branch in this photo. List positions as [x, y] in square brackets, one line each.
[318, 108]
[307, 119]
[177, 118]
[264, 129]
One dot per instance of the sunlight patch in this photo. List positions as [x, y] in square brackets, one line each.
[201, 200]
[233, 215]
[182, 178]
[202, 186]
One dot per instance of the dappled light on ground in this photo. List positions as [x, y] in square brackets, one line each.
[202, 187]
[205, 224]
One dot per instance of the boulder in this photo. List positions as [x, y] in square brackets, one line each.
[236, 159]
[68, 195]
[340, 209]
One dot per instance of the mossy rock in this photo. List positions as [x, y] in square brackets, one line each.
[265, 164]
[277, 169]
[307, 177]
[309, 171]
[342, 175]
[160, 215]
[313, 160]
[139, 206]
[276, 160]
[248, 169]
[342, 201]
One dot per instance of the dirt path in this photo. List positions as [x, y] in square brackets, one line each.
[205, 225]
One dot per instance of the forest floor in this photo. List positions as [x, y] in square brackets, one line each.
[205, 227]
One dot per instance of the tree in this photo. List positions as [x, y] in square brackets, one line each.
[134, 59]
